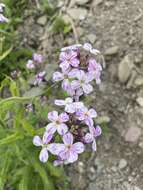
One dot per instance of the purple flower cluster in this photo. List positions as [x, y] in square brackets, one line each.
[68, 132]
[35, 64]
[3, 19]
[78, 69]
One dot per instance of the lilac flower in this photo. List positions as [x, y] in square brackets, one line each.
[39, 78]
[86, 115]
[68, 59]
[70, 106]
[69, 151]
[44, 143]
[95, 69]
[65, 77]
[58, 123]
[91, 137]
[2, 6]
[73, 47]
[37, 58]
[3, 19]
[83, 82]
[30, 65]
[88, 47]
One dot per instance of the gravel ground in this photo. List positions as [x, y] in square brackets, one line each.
[115, 27]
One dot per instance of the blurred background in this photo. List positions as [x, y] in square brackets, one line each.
[115, 27]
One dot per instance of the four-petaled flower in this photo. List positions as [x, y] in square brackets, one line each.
[86, 115]
[83, 82]
[91, 137]
[68, 59]
[58, 123]
[70, 106]
[45, 144]
[69, 151]
[65, 77]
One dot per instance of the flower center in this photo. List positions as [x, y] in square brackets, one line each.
[57, 122]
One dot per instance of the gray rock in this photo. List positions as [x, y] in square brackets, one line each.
[125, 68]
[131, 80]
[138, 81]
[98, 2]
[91, 174]
[139, 100]
[42, 20]
[136, 188]
[80, 167]
[132, 134]
[92, 186]
[122, 163]
[112, 50]
[79, 2]
[77, 13]
[92, 38]
[80, 31]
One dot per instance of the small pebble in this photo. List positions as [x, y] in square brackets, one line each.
[122, 163]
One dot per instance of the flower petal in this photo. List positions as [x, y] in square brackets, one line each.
[60, 102]
[47, 137]
[64, 154]
[57, 76]
[68, 139]
[53, 116]
[51, 128]
[70, 108]
[66, 84]
[89, 121]
[56, 148]
[73, 156]
[78, 147]
[87, 88]
[64, 65]
[43, 155]
[88, 138]
[75, 62]
[75, 84]
[68, 100]
[62, 129]
[37, 141]
[98, 131]
[73, 73]
[63, 117]
[92, 113]
[87, 46]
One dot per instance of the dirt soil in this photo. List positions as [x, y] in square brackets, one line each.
[115, 27]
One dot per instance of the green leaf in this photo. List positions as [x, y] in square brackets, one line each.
[28, 127]
[47, 182]
[5, 54]
[33, 92]
[14, 89]
[50, 68]
[10, 139]
[54, 171]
